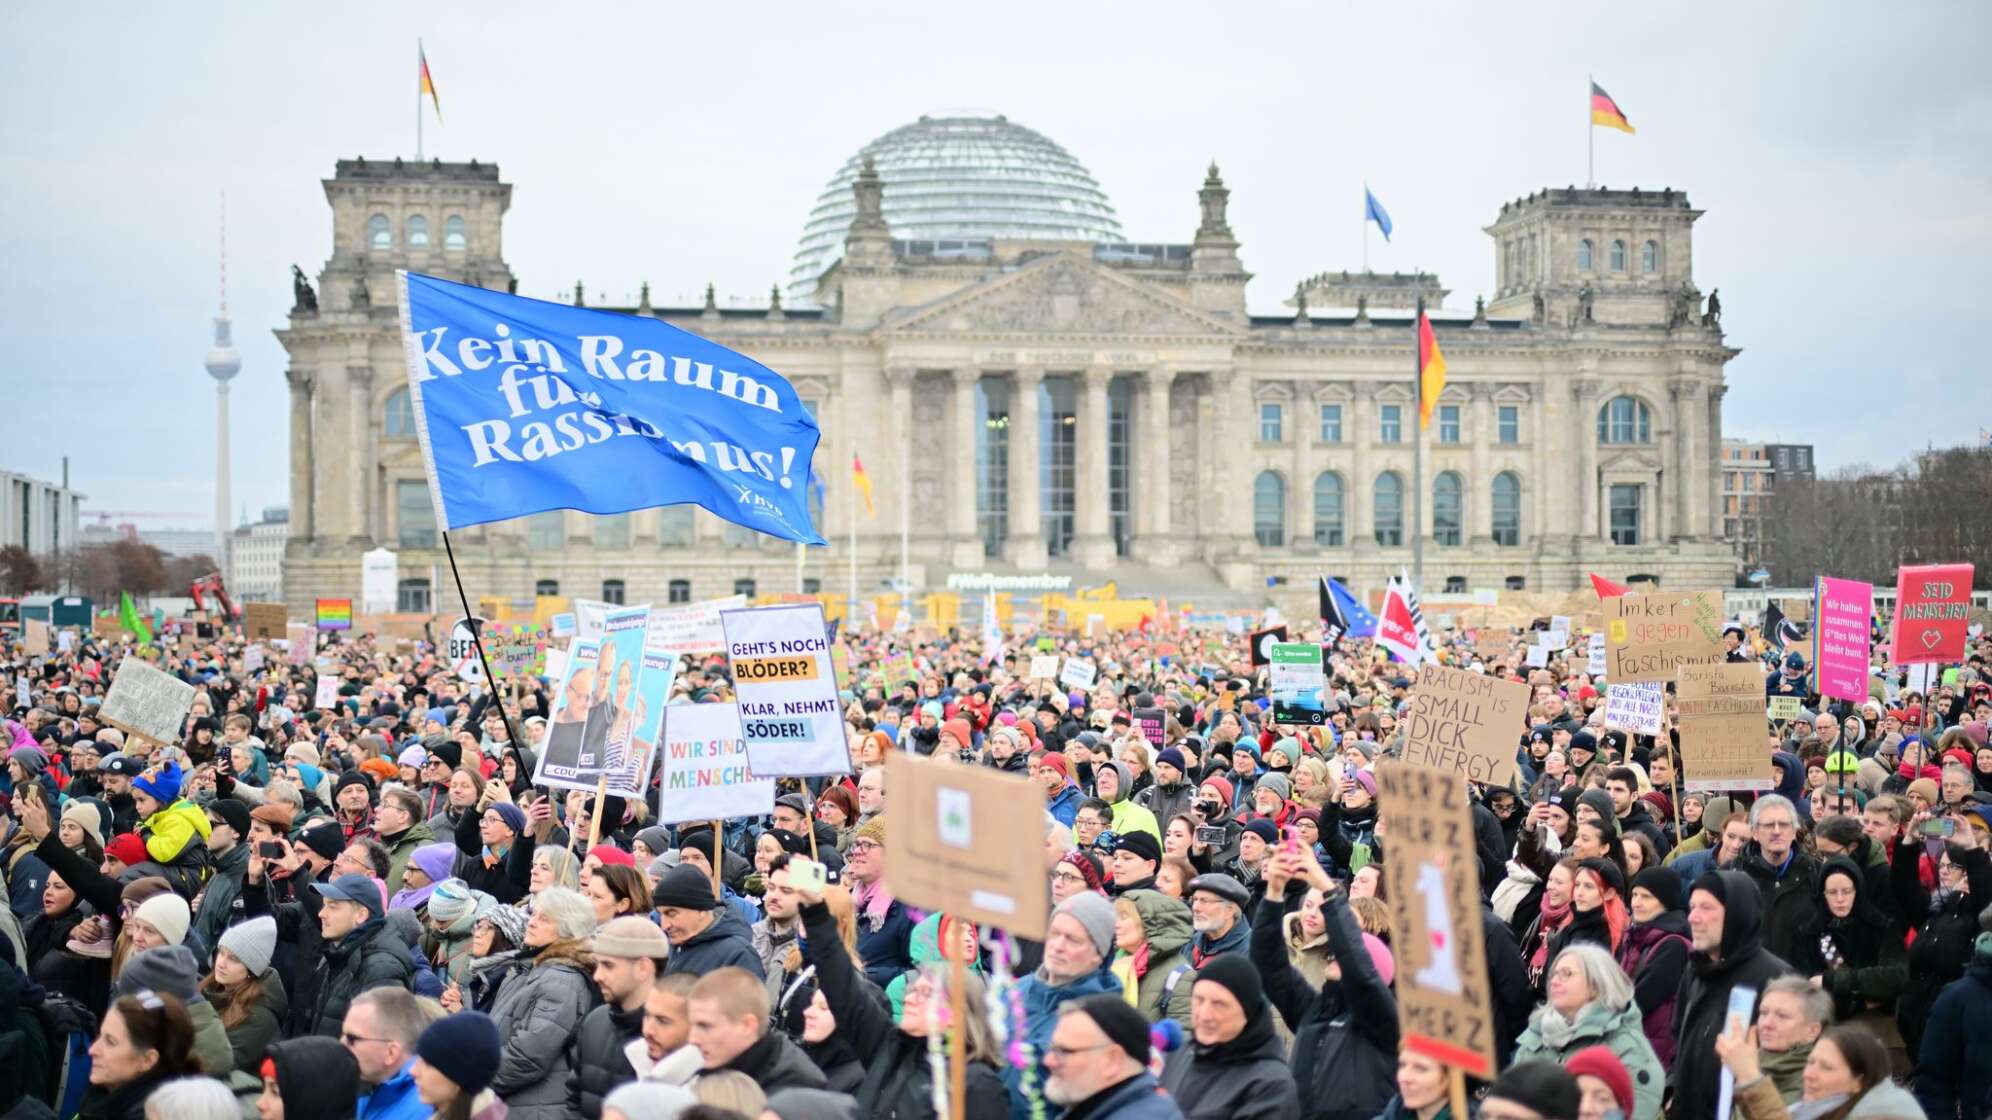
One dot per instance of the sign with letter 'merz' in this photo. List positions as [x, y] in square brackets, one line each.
[790, 716]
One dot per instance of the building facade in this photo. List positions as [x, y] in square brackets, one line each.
[1750, 475]
[42, 517]
[256, 557]
[1093, 407]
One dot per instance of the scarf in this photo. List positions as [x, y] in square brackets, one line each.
[1553, 919]
[874, 901]
[411, 899]
[1557, 1032]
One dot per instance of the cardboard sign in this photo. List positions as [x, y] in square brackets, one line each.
[705, 774]
[897, 670]
[1434, 886]
[590, 617]
[301, 638]
[790, 715]
[517, 655]
[1639, 708]
[1465, 723]
[1724, 740]
[1840, 640]
[1078, 674]
[265, 620]
[1932, 613]
[34, 635]
[107, 626]
[146, 702]
[693, 628]
[954, 846]
[1594, 654]
[1297, 683]
[333, 614]
[327, 695]
[1785, 708]
[1044, 667]
[1261, 644]
[1647, 635]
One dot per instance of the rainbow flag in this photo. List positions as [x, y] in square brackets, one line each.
[864, 483]
[428, 83]
[1606, 112]
[335, 614]
[1431, 372]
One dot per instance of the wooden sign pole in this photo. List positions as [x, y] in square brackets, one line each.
[1457, 1077]
[718, 828]
[595, 818]
[957, 955]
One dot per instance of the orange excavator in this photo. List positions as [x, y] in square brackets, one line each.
[211, 585]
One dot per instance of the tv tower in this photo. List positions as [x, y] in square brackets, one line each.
[223, 363]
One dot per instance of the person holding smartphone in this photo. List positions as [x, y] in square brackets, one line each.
[1945, 921]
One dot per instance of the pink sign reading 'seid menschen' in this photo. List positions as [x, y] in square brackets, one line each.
[1840, 637]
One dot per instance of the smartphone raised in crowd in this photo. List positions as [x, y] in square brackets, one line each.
[1210, 835]
[807, 874]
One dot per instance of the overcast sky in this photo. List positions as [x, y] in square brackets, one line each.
[1841, 152]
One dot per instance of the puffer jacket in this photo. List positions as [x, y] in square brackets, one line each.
[1165, 803]
[595, 1059]
[1246, 1078]
[1041, 1001]
[1165, 922]
[1618, 1030]
[1345, 1035]
[538, 1012]
[221, 899]
[1954, 1068]
[1944, 934]
[369, 957]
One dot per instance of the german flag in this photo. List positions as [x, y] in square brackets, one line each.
[864, 483]
[427, 84]
[1606, 112]
[1431, 371]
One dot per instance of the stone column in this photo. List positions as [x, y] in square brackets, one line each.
[1480, 481]
[1689, 414]
[1301, 428]
[303, 472]
[964, 545]
[1026, 548]
[1093, 546]
[1152, 504]
[359, 385]
[899, 494]
[1584, 396]
[1705, 471]
[1356, 511]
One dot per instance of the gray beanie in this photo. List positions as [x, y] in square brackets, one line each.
[1092, 910]
[169, 970]
[510, 922]
[1276, 782]
[252, 942]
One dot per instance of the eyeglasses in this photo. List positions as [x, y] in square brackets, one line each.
[865, 846]
[1064, 1052]
[1068, 877]
[352, 1039]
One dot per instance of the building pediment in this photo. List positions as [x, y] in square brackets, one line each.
[1065, 294]
[1637, 459]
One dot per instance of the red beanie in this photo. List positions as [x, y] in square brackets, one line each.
[127, 849]
[1056, 761]
[1601, 1063]
[609, 854]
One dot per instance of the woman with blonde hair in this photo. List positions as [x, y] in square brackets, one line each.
[553, 867]
[1590, 1004]
[1152, 935]
[731, 1090]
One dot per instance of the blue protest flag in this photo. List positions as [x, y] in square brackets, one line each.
[1357, 621]
[524, 406]
[1373, 211]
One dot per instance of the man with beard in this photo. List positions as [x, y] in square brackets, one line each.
[1725, 927]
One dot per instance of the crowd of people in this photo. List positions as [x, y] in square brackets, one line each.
[368, 909]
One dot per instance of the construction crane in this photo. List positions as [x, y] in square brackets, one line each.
[104, 516]
[211, 584]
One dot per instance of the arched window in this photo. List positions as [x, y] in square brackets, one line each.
[1625, 420]
[1269, 509]
[1584, 255]
[1649, 257]
[453, 238]
[399, 422]
[380, 232]
[1448, 510]
[1328, 507]
[546, 588]
[1389, 506]
[1507, 509]
[1618, 256]
[418, 232]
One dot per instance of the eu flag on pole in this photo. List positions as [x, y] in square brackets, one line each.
[1373, 211]
[1340, 609]
[524, 406]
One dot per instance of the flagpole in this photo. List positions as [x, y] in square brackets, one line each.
[418, 101]
[1418, 449]
[851, 613]
[1365, 226]
[1590, 139]
[906, 531]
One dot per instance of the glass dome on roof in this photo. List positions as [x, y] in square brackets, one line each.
[956, 176]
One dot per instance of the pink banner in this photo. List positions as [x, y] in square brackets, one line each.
[1840, 628]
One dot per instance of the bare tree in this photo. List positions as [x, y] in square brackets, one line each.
[1862, 523]
[20, 572]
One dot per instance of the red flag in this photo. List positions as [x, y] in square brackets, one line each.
[1606, 588]
[1396, 630]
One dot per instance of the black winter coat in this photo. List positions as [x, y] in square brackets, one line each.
[898, 1081]
[1790, 899]
[505, 880]
[727, 941]
[596, 1057]
[1701, 1011]
[1246, 1078]
[367, 958]
[1345, 1035]
[1954, 1068]
[1860, 959]
[775, 1064]
[1943, 936]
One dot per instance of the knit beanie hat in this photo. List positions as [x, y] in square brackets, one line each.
[252, 942]
[513, 816]
[1601, 1063]
[233, 813]
[169, 970]
[1541, 1086]
[1663, 884]
[510, 923]
[1276, 782]
[1264, 829]
[1124, 1026]
[632, 937]
[163, 784]
[354, 778]
[86, 817]
[1235, 973]
[1173, 757]
[1094, 913]
[450, 901]
[1142, 844]
[324, 837]
[168, 914]
[434, 860]
[654, 838]
[872, 830]
[686, 888]
[463, 1047]
[609, 854]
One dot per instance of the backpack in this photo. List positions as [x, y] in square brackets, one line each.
[69, 1026]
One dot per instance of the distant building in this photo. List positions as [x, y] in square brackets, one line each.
[39, 516]
[1751, 473]
[172, 542]
[256, 557]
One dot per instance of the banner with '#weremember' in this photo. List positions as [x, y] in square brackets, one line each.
[524, 406]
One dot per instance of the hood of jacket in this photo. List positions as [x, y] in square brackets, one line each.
[317, 1078]
[1299, 942]
[1864, 912]
[1886, 1100]
[1742, 917]
[1165, 922]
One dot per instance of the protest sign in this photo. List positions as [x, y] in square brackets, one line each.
[24, 692]
[1078, 674]
[1638, 707]
[146, 702]
[1840, 638]
[516, 654]
[954, 848]
[1465, 723]
[588, 618]
[107, 626]
[621, 692]
[1783, 708]
[627, 772]
[264, 620]
[461, 650]
[563, 625]
[1261, 644]
[1560, 622]
[1553, 640]
[333, 614]
[1297, 682]
[556, 664]
[1433, 883]
[897, 670]
[1932, 612]
[568, 720]
[1046, 645]
[692, 628]
[327, 695]
[523, 405]
[1647, 635]
[34, 636]
[65, 640]
[1594, 656]
[789, 710]
[1538, 657]
[1044, 666]
[704, 764]
[1723, 736]
[302, 640]
[253, 660]
[1153, 725]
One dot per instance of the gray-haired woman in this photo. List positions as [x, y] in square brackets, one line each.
[1590, 1004]
[539, 1009]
